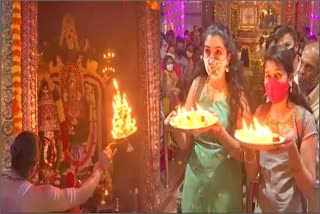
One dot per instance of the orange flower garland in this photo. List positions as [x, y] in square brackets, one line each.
[154, 5]
[16, 68]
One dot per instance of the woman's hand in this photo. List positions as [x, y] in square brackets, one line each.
[169, 117]
[106, 157]
[216, 128]
[288, 144]
[175, 91]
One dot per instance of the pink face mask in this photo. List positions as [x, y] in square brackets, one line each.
[276, 90]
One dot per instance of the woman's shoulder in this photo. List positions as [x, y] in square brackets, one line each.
[263, 109]
[304, 115]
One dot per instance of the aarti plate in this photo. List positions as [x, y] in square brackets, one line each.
[194, 129]
[258, 143]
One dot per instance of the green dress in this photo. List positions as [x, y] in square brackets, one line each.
[213, 180]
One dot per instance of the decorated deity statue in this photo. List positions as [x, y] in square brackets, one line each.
[72, 97]
[75, 89]
[49, 133]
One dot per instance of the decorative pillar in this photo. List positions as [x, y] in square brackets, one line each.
[149, 121]
[220, 12]
[18, 78]
[174, 17]
[289, 13]
[207, 10]
[29, 65]
[302, 18]
[6, 83]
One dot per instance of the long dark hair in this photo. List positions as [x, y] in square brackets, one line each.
[235, 79]
[24, 153]
[284, 58]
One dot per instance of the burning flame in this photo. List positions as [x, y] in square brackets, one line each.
[193, 118]
[123, 124]
[256, 129]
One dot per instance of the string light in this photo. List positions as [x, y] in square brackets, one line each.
[314, 17]
[174, 15]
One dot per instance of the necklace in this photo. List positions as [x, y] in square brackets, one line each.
[214, 95]
[281, 127]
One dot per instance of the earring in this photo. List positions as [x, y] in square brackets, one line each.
[290, 85]
[227, 68]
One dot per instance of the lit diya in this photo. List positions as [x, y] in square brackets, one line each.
[123, 124]
[258, 137]
[194, 120]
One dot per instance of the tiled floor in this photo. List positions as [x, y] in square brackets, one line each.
[168, 195]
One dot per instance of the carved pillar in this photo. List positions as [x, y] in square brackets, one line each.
[149, 61]
[6, 83]
[302, 18]
[289, 13]
[29, 37]
[30, 65]
[220, 12]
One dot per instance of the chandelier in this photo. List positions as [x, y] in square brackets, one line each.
[109, 70]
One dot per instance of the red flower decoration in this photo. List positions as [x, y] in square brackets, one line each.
[70, 180]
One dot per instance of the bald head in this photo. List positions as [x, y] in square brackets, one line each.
[309, 71]
[312, 51]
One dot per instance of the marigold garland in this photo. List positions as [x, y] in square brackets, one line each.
[16, 68]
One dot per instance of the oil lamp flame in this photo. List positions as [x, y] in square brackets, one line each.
[193, 118]
[256, 129]
[123, 124]
[115, 84]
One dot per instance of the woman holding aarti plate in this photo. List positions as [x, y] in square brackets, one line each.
[286, 174]
[213, 177]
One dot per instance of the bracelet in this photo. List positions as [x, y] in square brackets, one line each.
[246, 159]
[100, 168]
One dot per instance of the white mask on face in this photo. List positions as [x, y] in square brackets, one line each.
[189, 54]
[169, 67]
[215, 68]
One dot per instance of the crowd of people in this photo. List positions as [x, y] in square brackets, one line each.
[204, 69]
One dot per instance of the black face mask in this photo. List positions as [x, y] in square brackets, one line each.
[180, 52]
[292, 51]
[307, 84]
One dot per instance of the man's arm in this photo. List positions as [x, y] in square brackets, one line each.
[46, 198]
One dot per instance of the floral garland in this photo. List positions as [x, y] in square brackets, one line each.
[16, 68]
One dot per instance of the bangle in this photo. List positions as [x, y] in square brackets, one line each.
[246, 159]
[100, 168]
